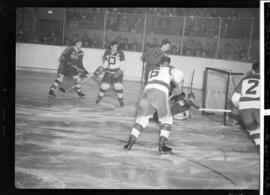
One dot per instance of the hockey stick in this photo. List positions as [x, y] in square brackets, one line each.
[214, 110]
[73, 86]
[191, 93]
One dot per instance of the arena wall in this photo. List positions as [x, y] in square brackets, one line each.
[45, 58]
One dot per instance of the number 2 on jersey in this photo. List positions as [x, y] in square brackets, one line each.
[252, 89]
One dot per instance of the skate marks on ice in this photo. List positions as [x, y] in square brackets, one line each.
[78, 144]
[53, 151]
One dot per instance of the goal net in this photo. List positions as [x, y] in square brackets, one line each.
[218, 86]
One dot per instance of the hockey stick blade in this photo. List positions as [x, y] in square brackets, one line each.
[73, 86]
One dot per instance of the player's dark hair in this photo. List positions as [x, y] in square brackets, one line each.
[165, 59]
[256, 67]
[183, 94]
[77, 40]
[114, 43]
[165, 41]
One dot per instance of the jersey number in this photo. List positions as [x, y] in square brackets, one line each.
[154, 73]
[112, 61]
[251, 90]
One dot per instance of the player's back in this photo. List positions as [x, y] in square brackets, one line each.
[160, 77]
[249, 89]
[153, 55]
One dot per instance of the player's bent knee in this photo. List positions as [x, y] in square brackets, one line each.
[118, 86]
[105, 86]
[166, 120]
[143, 120]
[165, 126]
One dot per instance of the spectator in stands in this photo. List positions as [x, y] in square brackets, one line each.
[136, 26]
[35, 39]
[228, 52]
[86, 40]
[112, 24]
[173, 50]
[123, 43]
[243, 56]
[21, 35]
[123, 27]
[73, 23]
[52, 38]
[96, 43]
[236, 52]
[134, 47]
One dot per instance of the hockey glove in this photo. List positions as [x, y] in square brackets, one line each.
[98, 71]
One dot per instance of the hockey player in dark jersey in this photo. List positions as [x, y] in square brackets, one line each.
[246, 98]
[152, 58]
[180, 106]
[70, 65]
[113, 66]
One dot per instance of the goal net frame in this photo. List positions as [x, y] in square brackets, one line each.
[228, 75]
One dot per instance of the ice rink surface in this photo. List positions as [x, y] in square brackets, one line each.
[76, 143]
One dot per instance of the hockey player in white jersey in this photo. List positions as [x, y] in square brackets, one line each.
[155, 98]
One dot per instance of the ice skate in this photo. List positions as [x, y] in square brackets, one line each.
[98, 100]
[163, 148]
[51, 97]
[52, 93]
[121, 102]
[131, 141]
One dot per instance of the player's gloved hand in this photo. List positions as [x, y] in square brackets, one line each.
[98, 71]
[178, 97]
[118, 73]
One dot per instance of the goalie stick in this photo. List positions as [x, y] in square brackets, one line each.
[214, 110]
[191, 85]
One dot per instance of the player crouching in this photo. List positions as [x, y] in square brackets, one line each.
[113, 66]
[70, 65]
[246, 98]
[180, 106]
[155, 98]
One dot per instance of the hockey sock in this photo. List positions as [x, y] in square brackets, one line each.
[101, 93]
[136, 130]
[165, 130]
[119, 93]
[55, 84]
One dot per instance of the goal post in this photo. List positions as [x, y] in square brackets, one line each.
[218, 86]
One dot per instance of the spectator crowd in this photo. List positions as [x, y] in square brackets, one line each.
[207, 23]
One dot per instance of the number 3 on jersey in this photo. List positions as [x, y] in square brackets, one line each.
[251, 88]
